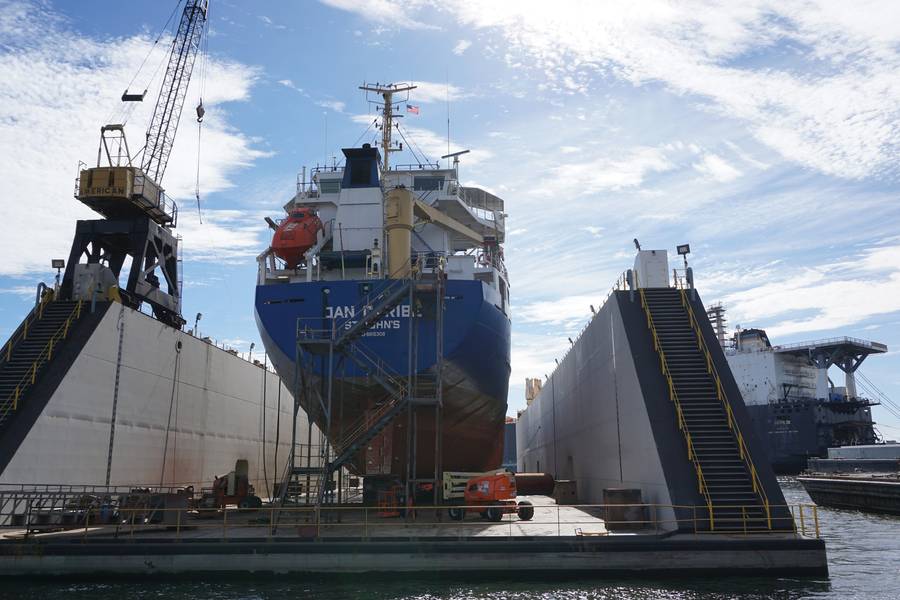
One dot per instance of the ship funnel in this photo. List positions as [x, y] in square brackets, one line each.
[399, 219]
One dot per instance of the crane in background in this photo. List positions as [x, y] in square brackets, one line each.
[139, 217]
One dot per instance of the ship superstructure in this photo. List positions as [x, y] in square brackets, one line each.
[360, 229]
[794, 404]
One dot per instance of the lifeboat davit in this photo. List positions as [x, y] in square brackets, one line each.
[295, 235]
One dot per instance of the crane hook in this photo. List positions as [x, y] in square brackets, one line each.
[200, 112]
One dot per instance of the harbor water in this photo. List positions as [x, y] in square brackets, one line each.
[863, 559]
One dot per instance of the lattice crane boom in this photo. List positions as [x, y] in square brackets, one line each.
[167, 112]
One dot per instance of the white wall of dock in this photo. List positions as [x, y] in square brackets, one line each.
[216, 416]
[590, 423]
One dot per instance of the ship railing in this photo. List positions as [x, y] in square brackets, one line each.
[679, 279]
[45, 296]
[17, 394]
[758, 487]
[109, 518]
[832, 341]
[673, 396]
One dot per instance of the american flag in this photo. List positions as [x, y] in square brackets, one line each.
[412, 109]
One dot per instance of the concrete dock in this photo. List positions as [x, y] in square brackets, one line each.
[560, 539]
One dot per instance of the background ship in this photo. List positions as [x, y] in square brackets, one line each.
[796, 409]
[404, 271]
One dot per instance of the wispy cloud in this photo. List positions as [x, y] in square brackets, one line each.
[429, 91]
[716, 168]
[335, 105]
[41, 57]
[822, 297]
[384, 12]
[461, 46]
[832, 106]
[608, 173]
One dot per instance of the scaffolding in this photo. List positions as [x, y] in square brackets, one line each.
[310, 479]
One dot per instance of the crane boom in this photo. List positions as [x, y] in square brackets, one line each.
[167, 112]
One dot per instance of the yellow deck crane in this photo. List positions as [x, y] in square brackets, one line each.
[139, 217]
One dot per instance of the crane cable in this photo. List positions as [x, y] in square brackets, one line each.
[130, 106]
[204, 59]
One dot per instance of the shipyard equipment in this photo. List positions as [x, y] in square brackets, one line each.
[490, 495]
[139, 217]
[231, 489]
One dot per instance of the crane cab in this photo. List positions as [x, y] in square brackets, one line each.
[122, 190]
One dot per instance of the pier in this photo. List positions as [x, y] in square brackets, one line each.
[581, 539]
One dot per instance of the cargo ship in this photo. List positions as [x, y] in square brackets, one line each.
[795, 407]
[335, 254]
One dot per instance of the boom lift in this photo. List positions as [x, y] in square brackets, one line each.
[139, 217]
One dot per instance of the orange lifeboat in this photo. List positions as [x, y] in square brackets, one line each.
[295, 235]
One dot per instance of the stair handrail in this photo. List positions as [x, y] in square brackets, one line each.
[12, 401]
[723, 398]
[21, 332]
[682, 423]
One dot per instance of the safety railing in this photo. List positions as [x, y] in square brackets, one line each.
[21, 333]
[758, 488]
[45, 355]
[682, 424]
[138, 518]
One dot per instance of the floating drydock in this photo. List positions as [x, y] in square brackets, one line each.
[560, 539]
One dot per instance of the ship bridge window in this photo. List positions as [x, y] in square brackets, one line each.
[330, 186]
[426, 184]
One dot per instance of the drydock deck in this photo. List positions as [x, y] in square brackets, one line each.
[559, 539]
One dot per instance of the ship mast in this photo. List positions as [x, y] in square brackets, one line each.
[387, 92]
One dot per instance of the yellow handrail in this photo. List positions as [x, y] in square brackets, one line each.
[682, 424]
[22, 332]
[12, 402]
[732, 422]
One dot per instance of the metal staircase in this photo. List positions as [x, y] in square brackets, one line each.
[31, 348]
[402, 393]
[727, 478]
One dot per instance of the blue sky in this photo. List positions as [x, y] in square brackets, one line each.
[764, 134]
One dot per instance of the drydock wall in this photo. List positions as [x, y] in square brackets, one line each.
[604, 417]
[590, 422]
[198, 427]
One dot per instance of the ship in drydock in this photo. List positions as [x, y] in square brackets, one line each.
[348, 265]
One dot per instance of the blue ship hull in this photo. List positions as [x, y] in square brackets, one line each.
[475, 378]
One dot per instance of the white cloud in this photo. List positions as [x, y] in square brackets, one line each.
[24, 291]
[461, 46]
[428, 91]
[335, 105]
[716, 168]
[59, 88]
[607, 173]
[823, 297]
[831, 107]
[593, 230]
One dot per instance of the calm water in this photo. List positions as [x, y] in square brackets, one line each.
[863, 557]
